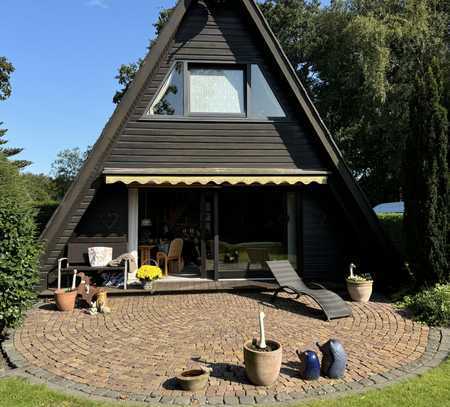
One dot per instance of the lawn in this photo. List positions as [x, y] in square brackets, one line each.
[431, 389]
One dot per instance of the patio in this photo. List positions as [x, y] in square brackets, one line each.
[135, 352]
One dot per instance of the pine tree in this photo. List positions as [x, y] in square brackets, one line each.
[11, 151]
[426, 178]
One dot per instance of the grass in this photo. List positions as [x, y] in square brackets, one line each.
[431, 389]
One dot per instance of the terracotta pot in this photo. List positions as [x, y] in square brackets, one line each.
[193, 380]
[65, 300]
[263, 368]
[360, 292]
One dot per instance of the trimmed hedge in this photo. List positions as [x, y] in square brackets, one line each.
[393, 225]
[44, 211]
[19, 249]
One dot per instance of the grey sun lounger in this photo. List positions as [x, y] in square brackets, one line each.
[332, 305]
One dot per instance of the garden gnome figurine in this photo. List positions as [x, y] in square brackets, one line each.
[310, 369]
[334, 359]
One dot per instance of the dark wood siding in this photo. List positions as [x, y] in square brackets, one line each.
[328, 239]
[214, 34]
[102, 217]
[106, 219]
[56, 249]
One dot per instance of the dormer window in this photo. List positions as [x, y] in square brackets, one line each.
[206, 89]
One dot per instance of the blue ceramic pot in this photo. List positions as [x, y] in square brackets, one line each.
[310, 365]
[334, 359]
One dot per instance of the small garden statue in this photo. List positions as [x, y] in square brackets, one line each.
[100, 304]
[310, 369]
[334, 360]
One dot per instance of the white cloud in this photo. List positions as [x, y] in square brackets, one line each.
[97, 3]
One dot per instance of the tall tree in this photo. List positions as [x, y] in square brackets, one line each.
[6, 69]
[127, 72]
[65, 168]
[11, 151]
[357, 60]
[426, 179]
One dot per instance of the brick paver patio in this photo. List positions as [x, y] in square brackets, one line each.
[147, 340]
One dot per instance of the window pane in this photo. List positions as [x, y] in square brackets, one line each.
[263, 103]
[217, 90]
[262, 229]
[170, 98]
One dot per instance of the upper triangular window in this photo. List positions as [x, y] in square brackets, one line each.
[213, 89]
[263, 101]
[169, 101]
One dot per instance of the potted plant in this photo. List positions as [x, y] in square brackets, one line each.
[262, 358]
[148, 273]
[65, 298]
[359, 286]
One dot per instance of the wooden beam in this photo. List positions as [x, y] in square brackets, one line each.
[216, 234]
[203, 265]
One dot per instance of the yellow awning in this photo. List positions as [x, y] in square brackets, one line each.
[217, 179]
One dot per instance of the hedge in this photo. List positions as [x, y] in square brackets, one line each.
[44, 211]
[393, 225]
[19, 249]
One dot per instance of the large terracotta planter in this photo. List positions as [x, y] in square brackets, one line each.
[193, 380]
[65, 300]
[360, 291]
[262, 368]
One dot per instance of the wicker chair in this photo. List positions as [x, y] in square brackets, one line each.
[174, 255]
[258, 256]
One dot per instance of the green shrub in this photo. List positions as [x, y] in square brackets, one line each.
[393, 225]
[19, 250]
[431, 306]
[44, 211]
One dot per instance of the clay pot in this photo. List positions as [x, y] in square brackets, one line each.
[65, 300]
[360, 291]
[193, 380]
[262, 368]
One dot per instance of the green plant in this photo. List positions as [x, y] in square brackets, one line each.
[359, 278]
[392, 224]
[19, 249]
[431, 306]
[44, 211]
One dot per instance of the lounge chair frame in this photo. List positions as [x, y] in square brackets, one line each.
[290, 282]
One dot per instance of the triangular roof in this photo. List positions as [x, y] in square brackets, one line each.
[93, 166]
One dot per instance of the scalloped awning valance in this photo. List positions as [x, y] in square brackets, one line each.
[216, 179]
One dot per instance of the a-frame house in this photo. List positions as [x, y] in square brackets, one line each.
[216, 142]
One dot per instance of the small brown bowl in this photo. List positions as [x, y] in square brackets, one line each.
[193, 380]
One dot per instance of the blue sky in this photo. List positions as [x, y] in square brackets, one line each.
[66, 54]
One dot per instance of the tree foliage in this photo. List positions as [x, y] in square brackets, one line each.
[65, 168]
[19, 251]
[426, 179]
[40, 187]
[357, 59]
[6, 69]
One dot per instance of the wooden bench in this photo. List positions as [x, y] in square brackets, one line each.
[77, 260]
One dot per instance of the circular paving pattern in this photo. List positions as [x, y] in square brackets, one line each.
[147, 340]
